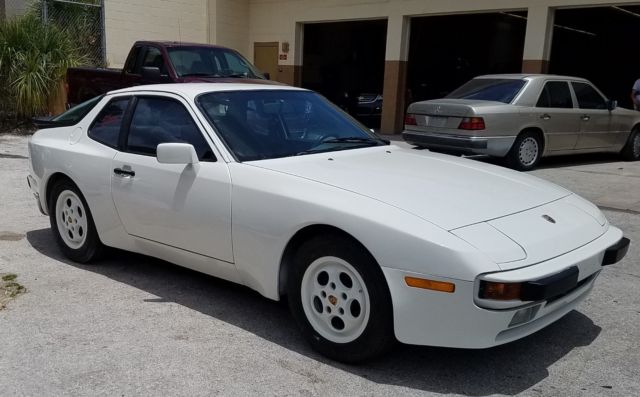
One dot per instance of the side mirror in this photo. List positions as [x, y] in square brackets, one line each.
[612, 104]
[267, 75]
[176, 153]
[150, 73]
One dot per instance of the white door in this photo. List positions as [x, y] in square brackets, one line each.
[182, 206]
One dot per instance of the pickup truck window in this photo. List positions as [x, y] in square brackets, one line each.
[210, 62]
[130, 67]
[106, 127]
[159, 120]
[153, 58]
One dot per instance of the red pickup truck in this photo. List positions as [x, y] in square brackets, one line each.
[154, 62]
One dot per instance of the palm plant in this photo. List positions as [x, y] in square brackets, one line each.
[34, 58]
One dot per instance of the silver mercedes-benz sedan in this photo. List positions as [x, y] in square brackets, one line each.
[522, 118]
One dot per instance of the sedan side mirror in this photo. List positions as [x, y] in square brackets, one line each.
[612, 104]
[176, 153]
[267, 75]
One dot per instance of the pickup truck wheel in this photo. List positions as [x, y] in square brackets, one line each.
[72, 223]
[340, 300]
[631, 151]
[525, 152]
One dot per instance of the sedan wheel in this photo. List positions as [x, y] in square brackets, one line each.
[72, 224]
[631, 151]
[340, 299]
[525, 152]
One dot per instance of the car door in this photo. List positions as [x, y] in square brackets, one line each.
[595, 119]
[558, 116]
[183, 206]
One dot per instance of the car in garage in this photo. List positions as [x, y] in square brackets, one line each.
[275, 188]
[523, 117]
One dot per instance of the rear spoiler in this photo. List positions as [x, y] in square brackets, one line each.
[48, 122]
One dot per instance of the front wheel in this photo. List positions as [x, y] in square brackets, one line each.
[340, 300]
[631, 151]
[525, 152]
[72, 223]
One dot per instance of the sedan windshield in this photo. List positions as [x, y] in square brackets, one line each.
[267, 124]
[210, 62]
[500, 90]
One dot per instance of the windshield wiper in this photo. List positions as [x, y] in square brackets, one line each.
[235, 75]
[352, 139]
[200, 75]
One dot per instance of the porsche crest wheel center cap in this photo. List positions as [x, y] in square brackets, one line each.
[333, 300]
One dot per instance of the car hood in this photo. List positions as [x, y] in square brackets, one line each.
[447, 191]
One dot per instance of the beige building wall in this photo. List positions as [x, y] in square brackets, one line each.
[127, 21]
[229, 24]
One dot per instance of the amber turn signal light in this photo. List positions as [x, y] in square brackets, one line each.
[500, 291]
[430, 284]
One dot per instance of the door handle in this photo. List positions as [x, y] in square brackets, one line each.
[585, 117]
[128, 173]
[545, 116]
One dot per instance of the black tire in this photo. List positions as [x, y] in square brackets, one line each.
[525, 158]
[89, 247]
[377, 337]
[631, 151]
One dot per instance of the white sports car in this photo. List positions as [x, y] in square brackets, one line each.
[275, 188]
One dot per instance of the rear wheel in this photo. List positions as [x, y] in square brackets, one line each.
[631, 151]
[72, 223]
[340, 300]
[525, 152]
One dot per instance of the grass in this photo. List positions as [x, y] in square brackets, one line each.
[9, 289]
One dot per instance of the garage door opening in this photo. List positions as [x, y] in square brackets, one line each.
[344, 61]
[446, 51]
[599, 44]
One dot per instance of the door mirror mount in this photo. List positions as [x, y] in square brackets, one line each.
[267, 75]
[176, 153]
[612, 104]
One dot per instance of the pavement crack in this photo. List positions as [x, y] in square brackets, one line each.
[12, 156]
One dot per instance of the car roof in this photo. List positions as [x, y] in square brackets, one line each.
[192, 90]
[529, 76]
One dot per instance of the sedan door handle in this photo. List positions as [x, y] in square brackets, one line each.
[545, 116]
[126, 173]
[585, 118]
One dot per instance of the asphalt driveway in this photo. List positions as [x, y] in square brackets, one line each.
[132, 325]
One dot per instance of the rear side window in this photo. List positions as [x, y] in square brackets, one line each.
[77, 113]
[106, 127]
[555, 94]
[588, 97]
[162, 120]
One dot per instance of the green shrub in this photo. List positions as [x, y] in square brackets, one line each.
[34, 58]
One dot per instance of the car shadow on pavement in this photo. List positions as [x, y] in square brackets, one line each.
[507, 369]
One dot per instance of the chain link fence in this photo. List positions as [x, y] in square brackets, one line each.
[84, 19]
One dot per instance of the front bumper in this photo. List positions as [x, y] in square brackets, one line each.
[425, 317]
[492, 146]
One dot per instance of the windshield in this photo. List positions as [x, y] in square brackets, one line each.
[500, 90]
[211, 62]
[77, 113]
[265, 124]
